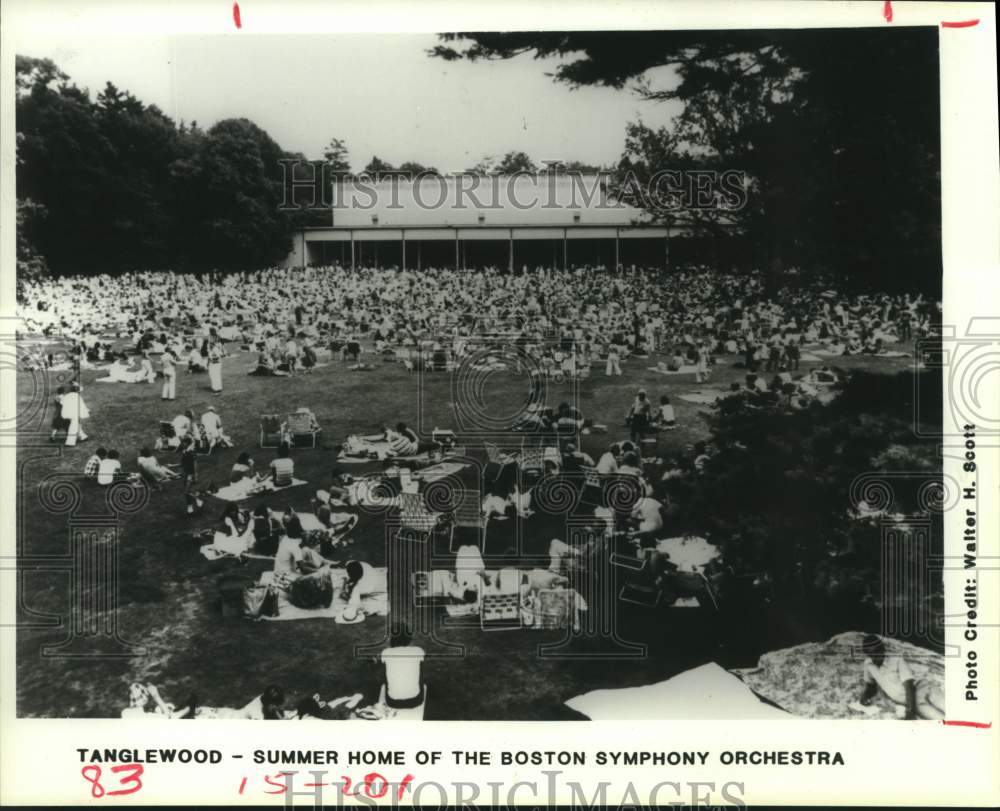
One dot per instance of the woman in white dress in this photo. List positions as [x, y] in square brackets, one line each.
[75, 411]
[215, 367]
[169, 361]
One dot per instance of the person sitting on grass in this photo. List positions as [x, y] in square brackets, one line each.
[109, 469]
[94, 463]
[891, 676]
[289, 553]
[665, 420]
[282, 469]
[404, 688]
[608, 463]
[362, 580]
[242, 468]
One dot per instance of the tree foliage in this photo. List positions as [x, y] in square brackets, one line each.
[123, 187]
[837, 132]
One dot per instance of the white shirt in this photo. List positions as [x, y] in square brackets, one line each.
[107, 469]
[402, 671]
[607, 464]
[287, 556]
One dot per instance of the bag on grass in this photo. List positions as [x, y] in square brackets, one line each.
[253, 601]
[270, 606]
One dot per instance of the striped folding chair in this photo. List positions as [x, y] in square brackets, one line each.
[416, 522]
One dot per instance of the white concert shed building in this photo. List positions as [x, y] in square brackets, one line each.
[468, 221]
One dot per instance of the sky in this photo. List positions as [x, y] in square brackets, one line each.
[380, 93]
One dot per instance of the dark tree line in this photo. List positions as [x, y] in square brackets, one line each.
[837, 132]
[114, 185]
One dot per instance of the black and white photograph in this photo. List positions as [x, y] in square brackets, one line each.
[503, 375]
[501, 400]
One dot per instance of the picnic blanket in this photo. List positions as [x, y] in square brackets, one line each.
[439, 471]
[690, 553]
[240, 491]
[703, 397]
[374, 604]
[823, 679]
[684, 370]
[224, 546]
[706, 693]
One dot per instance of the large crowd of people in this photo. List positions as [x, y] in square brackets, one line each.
[555, 322]
[287, 314]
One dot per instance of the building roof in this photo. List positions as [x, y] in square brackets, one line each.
[490, 200]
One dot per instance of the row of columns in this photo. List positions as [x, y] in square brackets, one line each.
[510, 250]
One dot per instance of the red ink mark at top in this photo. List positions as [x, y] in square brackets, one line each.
[236, 15]
[960, 24]
[974, 724]
[887, 10]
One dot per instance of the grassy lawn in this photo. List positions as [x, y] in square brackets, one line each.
[167, 592]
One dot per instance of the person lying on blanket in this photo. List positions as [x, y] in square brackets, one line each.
[140, 696]
[152, 471]
[314, 708]
[891, 675]
[268, 706]
[405, 442]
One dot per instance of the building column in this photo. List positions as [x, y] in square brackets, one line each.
[456, 250]
[565, 250]
[305, 256]
[666, 250]
[352, 250]
[403, 233]
[510, 251]
[617, 262]
[418, 255]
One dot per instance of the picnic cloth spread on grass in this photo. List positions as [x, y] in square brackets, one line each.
[704, 693]
[684, 370]
[225, 546]
[823, 679]
[689, 554]
[703, 397]
[240, 491]
[439, 471]
[373, 604]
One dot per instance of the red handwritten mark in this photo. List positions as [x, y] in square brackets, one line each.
[974, 724]
[236, 15]
[960, 24]
[887, 10]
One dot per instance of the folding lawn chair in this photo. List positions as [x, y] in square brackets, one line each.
[468, 515]
[270, 430]
[416, 522]
[302, 425]
[591, 482]
[501, 610]
[500, 458]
